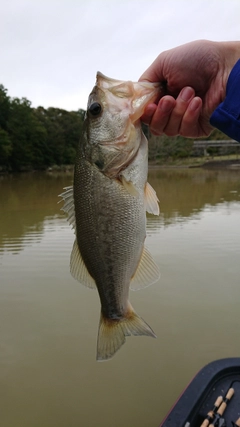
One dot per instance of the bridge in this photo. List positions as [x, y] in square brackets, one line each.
[220, 143]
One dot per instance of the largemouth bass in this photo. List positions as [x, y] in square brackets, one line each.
[107, 207]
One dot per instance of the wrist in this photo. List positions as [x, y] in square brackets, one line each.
[231, 54]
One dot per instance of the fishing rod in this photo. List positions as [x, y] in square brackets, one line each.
[211, 414]
[215, 417]
[236, 423]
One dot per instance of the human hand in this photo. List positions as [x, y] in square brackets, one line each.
[194, 78]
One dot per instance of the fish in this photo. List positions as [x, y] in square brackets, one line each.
[107, 207]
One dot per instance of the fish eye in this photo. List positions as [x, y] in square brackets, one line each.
[95, 109]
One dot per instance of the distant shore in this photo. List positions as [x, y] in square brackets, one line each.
[226, 162]
[220, 162]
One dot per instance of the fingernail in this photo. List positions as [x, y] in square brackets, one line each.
[187, 93]
[166, 105]
[195, 104]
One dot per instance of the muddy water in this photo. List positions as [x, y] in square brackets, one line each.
[48, 322]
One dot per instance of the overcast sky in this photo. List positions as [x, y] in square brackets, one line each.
[51, 49]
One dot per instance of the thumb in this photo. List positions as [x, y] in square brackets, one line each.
[154, 73]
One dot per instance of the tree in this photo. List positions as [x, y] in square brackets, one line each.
[35, 138]
[19, 129]
[5, 147]
[63, 133]
[4, 107]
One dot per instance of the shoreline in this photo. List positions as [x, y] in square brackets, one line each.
[210, 164]
[218, 163]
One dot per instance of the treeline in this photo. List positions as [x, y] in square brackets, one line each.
[36, 138]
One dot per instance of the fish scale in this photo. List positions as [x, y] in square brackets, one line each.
[108, 207]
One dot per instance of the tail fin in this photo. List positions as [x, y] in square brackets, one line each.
[112, 333]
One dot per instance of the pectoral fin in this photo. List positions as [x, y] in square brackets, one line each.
[147, 272]
[151, 200]
[129, 186]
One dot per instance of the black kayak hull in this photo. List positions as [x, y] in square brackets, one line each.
[196, 402]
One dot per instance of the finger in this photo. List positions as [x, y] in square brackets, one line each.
[174, 124]
[148, 113]
[190, 126]
[155, 72]
[161, 115]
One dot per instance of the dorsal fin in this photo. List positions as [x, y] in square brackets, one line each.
[147, 272]
[77, 267]
[68, 207]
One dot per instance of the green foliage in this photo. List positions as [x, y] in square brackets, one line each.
[36, 138]
[5, 147]
[217, 135]
[163, 147]
[4, 107]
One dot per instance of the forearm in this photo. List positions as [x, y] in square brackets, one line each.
[226, 116]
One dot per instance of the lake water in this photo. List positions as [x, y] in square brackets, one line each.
[49, 322]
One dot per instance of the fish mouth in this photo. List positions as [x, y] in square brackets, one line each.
[140, 93]
[146, 93]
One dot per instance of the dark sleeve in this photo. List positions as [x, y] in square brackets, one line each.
[226, 117]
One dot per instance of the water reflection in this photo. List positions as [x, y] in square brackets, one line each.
[28, 200]
[186, 192]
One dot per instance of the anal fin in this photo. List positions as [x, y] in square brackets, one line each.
[79, 270]
[147, 272]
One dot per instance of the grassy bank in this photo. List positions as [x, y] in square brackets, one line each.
[207, 161]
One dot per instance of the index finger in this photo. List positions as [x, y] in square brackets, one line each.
[148, 113]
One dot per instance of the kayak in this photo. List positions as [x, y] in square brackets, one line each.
[212, 399]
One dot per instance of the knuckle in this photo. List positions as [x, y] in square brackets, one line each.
[171, 132]
[156, 132]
